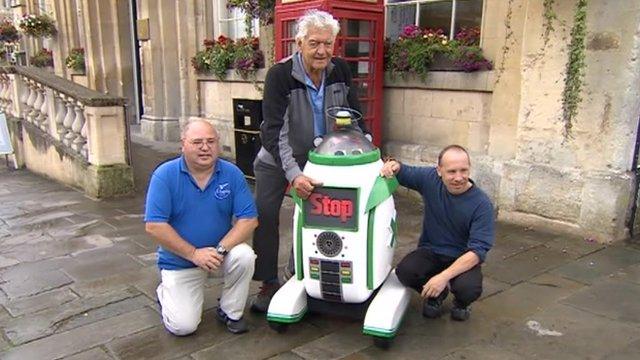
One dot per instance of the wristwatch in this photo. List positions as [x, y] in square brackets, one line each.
[222, 250]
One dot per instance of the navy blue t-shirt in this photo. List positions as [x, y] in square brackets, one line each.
[452, 224]
[201, 217]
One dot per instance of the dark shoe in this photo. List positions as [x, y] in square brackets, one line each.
[460, 313]
[234, 326]
[260, 303]
[432, 307]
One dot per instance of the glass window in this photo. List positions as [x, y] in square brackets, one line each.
[231, 22]
[448, 15]
[436, 15]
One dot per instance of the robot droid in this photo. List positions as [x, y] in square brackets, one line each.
[344, 238]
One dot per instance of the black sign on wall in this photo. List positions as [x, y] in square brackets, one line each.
[333, 208]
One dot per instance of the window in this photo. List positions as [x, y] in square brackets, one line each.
[230, 22]
[448, 15]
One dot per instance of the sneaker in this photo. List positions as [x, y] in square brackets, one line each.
[460, 313]
[432, 307]
[260, 303]
[234, 326]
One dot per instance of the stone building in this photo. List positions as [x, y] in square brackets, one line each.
[539, 165]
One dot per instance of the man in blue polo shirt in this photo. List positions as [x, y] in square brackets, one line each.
[191, 203]
[457, 232]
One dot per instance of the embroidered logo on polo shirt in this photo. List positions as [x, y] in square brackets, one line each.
[222, 191]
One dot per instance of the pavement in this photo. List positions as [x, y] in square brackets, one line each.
[78, 279]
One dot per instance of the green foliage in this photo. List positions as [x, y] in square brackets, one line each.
[254, 9]
[37, 25]
[416, 49]
[549, 16]
[223, 54]
[8, 32]
[571, 96]
[43, 58]
[75, 60]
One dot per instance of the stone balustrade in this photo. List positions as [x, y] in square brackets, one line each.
[66, 131]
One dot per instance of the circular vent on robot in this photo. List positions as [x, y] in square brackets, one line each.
[329, 244]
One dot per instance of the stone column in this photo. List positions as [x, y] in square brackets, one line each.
[503, 31]
[109, 60]
[160, 75]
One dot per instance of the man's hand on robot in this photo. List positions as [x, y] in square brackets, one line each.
[390, 168]
[207, 259]
[304, 186]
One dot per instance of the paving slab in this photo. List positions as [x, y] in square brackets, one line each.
[491, 287]
[104, 262]
[420, 338]
[336, 345]
[525, 265]
[157, 343]
[601, 263]
[7, 261]
[577, 334]
[93, 354]
[286, 356]
[72, 314]
[35, 284]
[86, 337]
[527, 298]
[260, 343]
[622, 300]
[631, 274]
[117, 282]
[50, 248]
[630, 351]
[483, 352]
[40, 302]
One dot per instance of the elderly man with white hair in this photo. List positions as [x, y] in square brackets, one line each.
[297, 92]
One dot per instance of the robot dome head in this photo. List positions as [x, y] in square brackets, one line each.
[343, 116]
[346, 139]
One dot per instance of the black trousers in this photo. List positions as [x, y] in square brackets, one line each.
[422, 264]
[271, 185]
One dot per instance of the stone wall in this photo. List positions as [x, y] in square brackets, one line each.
[215, 103]
[583, 183]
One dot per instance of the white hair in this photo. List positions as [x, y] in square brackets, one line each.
[316, 19]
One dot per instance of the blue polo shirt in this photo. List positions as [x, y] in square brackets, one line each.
[316, 97]
[201, 217]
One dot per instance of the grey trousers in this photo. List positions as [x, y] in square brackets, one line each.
[271, 185]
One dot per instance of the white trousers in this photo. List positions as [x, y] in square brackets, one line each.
[181, 292]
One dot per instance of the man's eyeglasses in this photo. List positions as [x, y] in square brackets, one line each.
[200, 142]
[314, 44]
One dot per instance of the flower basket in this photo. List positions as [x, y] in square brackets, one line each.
[37, 25]
[418, 51]
[248, 57]
[75, 60]
[8, 32]
[42, 59]
[223, 54]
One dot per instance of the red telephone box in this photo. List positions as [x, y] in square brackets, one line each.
[360, 42]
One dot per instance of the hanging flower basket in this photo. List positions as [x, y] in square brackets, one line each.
[75, 60]
[43, 58]
[37, 25]
[8, 32]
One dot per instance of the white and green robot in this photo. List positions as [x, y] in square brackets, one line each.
[344, 237]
